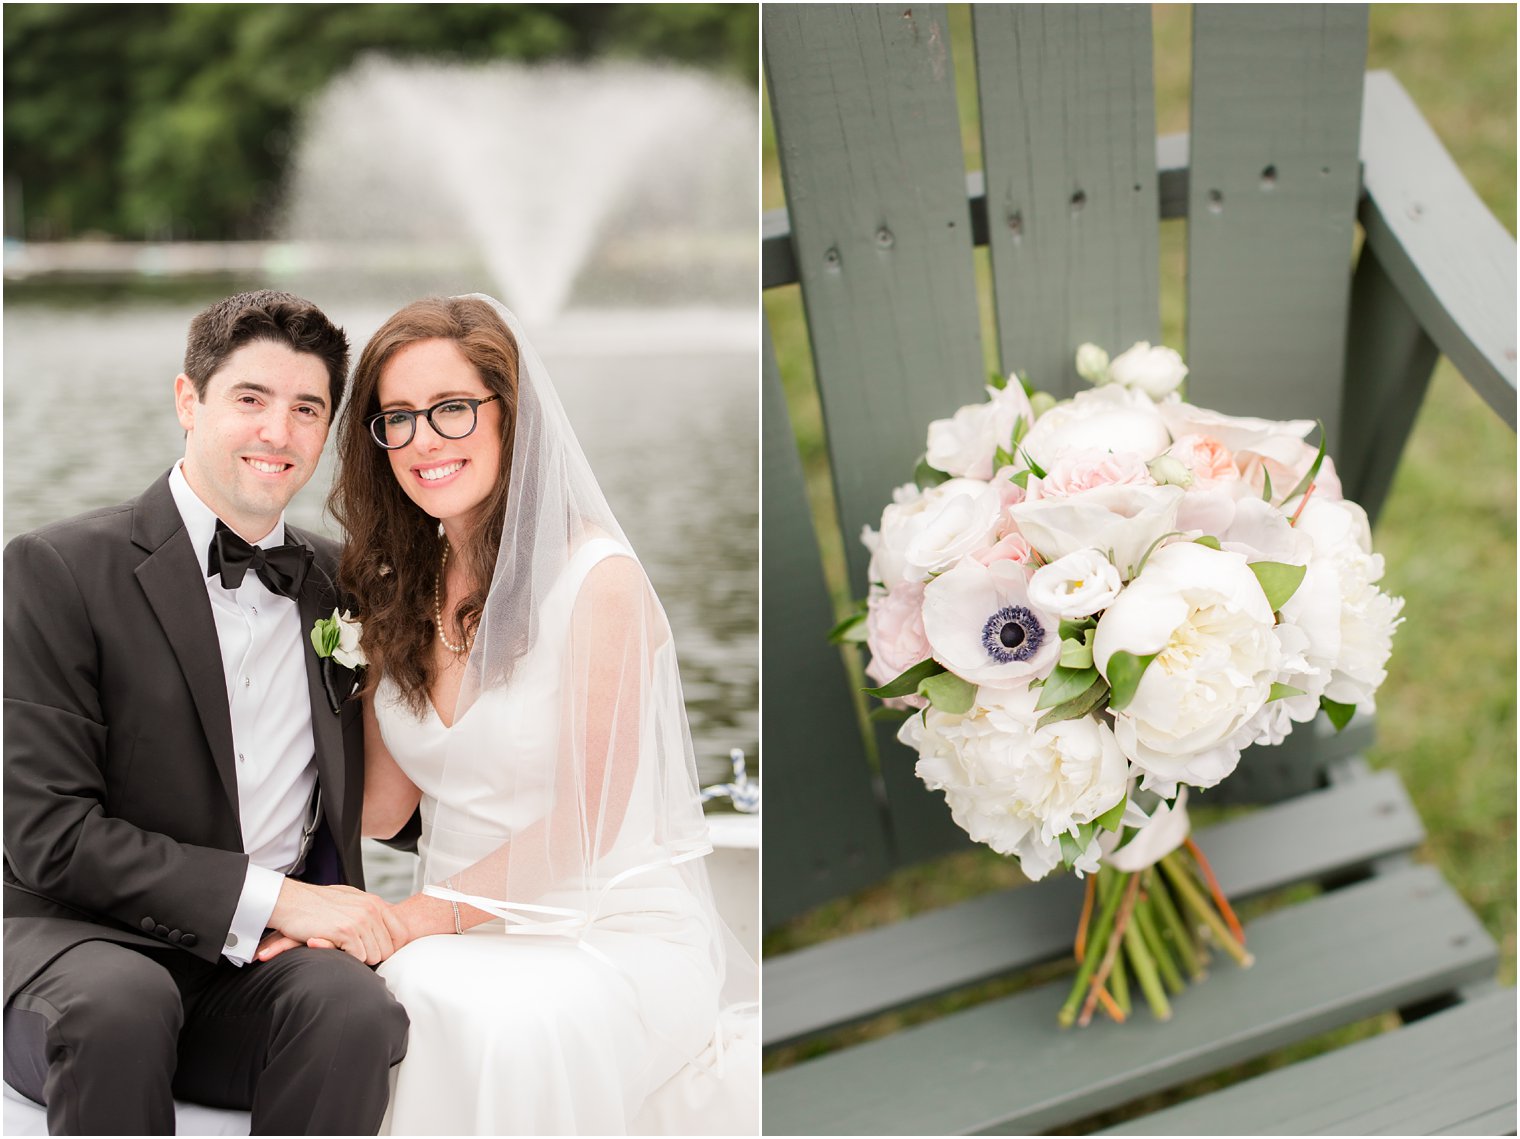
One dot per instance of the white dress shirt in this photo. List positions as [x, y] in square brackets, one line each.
[263, 661]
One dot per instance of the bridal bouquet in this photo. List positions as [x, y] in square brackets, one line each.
[1087, 607]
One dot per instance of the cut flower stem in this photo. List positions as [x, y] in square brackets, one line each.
[1100, 936]
[1174, 930]
[1121, 923]
[1148, 928]
[1145, 972]
[1193, 900]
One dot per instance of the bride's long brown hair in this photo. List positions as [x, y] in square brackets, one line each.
[390, 559]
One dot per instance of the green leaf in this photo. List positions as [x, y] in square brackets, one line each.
[1077, 652]
[997, 380]
[1020, 429]
[1266, 485]
[885, 715]
[1073, 630]
[925, 476]
[1002, 458]
[852, 630]
[1109, 819]
[1124, 673]
[1280, 690]
[325, 636]
[1278, 580]
[1039, 472]
[1208, 540]
[1078, 706]
[1304, 483]
[949, 693]
[1065, 684]
[1340, 714]
[1072, 845]
[1024, 382]
[907, 682]
[1021, 480]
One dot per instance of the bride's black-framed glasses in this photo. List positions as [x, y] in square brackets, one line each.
[453, 418]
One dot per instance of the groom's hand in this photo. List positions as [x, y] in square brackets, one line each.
[360, 924]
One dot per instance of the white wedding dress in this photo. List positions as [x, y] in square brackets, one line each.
[608, 1025]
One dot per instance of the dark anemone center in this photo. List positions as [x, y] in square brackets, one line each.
[1012, 633]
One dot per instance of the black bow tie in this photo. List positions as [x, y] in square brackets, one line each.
[281, 568]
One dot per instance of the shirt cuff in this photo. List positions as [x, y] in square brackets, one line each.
[261, 890]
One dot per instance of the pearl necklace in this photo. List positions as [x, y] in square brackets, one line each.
[438, 607]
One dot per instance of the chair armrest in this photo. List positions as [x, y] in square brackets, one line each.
[1449, 257]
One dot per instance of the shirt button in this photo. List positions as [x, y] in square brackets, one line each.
[247, 682]
[255, 610]
[242, 758]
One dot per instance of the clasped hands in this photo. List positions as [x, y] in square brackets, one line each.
[333, 917]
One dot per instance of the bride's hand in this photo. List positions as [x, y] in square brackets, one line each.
[274, 944]
[277, 943]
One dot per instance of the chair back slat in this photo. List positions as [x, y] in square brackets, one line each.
[863, 100]
[817, 776]
[1069, 149]
[1276, 112]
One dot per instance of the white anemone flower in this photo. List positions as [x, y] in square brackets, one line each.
[982, 626]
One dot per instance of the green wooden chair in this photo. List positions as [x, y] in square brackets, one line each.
[1292, 148]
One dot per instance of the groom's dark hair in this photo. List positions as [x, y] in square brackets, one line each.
[219, 331]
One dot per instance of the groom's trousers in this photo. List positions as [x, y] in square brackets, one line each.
[108, 1034]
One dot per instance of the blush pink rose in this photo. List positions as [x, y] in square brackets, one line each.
[1011, 547]
[1208, 458]
[895, 631]
[1078, 471]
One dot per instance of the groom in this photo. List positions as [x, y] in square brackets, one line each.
[181, 775]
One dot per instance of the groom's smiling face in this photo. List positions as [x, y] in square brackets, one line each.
[255, 438]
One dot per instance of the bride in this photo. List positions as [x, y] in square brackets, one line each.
[566, 972]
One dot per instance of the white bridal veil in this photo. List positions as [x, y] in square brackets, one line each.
[569, 802]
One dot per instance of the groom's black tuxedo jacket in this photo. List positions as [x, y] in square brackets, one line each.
[121, 805]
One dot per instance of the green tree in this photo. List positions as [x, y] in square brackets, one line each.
[165, 121]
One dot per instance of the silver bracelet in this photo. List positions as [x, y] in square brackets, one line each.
[458, 925]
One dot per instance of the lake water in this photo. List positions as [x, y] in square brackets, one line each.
[665, 403]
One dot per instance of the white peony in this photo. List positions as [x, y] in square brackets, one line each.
[1016, 788]
[1157, 371]
[925, 532]
[1110, 418]
[1121, 520]
[1355, 619]
[966, 443]
[982, 626]
[1203, 615]
[1078, 585]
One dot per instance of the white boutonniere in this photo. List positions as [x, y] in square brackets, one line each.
[336, 640]
[338, 637]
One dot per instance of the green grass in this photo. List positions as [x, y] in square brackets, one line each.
[1447, 712]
